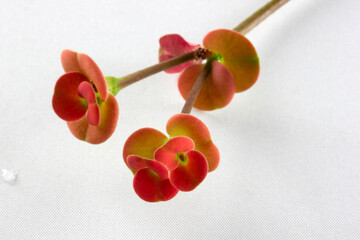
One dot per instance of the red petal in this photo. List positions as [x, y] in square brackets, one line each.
[190, 173]
[176, 45]
[136, 163]
[93, 114]
[158, 168]
[86, 91]
[150, 187]
[67, 104]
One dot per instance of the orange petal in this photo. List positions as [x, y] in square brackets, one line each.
[69, 61]
[143, 143]
[217, 91]
[109, 113]
[80, 62]
[237, 54]
[93, 72]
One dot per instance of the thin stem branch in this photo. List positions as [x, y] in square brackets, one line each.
[259, 16]
[243, 28]
[136, 76]
[195, 90]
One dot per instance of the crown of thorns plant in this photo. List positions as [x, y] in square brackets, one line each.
[210, 74]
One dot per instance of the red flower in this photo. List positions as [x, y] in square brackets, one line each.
[81, 99]
[163, 166]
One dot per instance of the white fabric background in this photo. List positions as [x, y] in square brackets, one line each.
[289, 146]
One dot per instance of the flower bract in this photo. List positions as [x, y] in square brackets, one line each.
[218, 89]
[237, 54]
[173, 45]
[163, 165]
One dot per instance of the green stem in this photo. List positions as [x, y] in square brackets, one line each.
[243, 28]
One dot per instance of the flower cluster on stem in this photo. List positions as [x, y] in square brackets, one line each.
[211, 74]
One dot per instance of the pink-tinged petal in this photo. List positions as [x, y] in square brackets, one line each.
[190, 172]
[66, 102]
[168, 153]
[187, 125]
[143, 143]
[109, 113]
[158, 168]
[173, 45]
[86, 91]
[93, 114]
[217, 91]
[176, 44]
[136, 163]
[238, 55]
[80, 62]
[150, 187]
